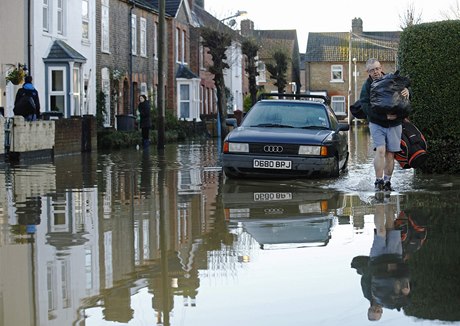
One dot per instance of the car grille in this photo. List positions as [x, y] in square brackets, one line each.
[274, 149]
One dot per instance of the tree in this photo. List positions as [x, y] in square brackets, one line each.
[410, 17]
[217, 44]
[250, 49]
[278, 70]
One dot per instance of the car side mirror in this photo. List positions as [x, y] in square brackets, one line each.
[344, 127]
[231, 122]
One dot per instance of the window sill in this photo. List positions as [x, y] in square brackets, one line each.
[337, 81]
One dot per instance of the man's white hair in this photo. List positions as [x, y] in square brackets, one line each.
[370, 62]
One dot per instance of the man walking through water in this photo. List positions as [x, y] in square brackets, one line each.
[385, 129]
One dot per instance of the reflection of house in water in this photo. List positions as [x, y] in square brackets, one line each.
[62, 260]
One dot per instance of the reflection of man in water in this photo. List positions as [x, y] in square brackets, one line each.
[385, 276]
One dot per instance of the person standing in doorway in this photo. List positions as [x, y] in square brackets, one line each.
[385, 129]
[31, 111]
[145, 123]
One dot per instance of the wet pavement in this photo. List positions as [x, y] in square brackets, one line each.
[146, 238]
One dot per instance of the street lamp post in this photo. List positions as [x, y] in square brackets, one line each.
[349, 78]
[237, 14]
[355, 79]
[356, 84]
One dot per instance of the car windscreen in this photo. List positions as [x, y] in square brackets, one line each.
[289, 114]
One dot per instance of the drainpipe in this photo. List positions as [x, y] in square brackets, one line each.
[29, 45]
[131, 58]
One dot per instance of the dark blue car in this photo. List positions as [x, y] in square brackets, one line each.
[282, 138]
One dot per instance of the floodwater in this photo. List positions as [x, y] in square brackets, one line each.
[148, 238]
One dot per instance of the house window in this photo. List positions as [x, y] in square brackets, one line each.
[105, 27]
[105, 77]
[261, 78]
[202, 57]
[60, 17]
[338, 104]
[133, 34]
[85, 20]
[184, 101]
[76, 93]
[177, 44]
[144, 89]
[183, 34]
[46, 16]
[337, 73]
[155, 40]
[57, 89]
[143, 35]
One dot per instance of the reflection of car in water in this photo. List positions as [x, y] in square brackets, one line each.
[281, 215]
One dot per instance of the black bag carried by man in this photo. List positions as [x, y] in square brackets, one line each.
[385, 94]
[413, 147]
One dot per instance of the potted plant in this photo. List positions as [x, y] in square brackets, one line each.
[16, 76]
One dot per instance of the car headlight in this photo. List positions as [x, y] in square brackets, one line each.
[236, 147]
[313, 150]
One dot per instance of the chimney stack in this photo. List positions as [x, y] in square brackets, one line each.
[247, 27]
[357, 26]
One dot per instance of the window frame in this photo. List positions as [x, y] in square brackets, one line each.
[143, 37]
[58, 93]
[334, 101]
[105, 26]
[60, 17]
[334, 70]
[46, 16]
[85, 21]
[177, 45]
[133, 34]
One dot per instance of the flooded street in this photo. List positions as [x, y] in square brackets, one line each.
[148, 238]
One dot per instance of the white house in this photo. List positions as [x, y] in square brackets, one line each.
[56, 40]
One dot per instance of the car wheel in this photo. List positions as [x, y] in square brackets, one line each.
[335, 170]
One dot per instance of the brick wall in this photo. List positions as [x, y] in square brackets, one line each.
[75, 135]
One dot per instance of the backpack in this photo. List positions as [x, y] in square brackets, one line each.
[414, 231]
[413, 147]
[25, 105]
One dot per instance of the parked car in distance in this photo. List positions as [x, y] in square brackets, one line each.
[295, 135]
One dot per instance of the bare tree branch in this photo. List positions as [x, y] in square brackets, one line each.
[410, 16]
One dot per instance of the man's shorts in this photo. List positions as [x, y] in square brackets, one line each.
[388, 137]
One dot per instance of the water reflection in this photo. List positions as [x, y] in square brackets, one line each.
[385, 273]
[280, 215]
[149, 238]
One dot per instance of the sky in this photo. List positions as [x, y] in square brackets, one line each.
[328, 15]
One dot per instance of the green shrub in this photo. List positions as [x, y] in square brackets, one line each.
[430, 54]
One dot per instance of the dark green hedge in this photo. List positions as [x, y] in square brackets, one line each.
[430, 55]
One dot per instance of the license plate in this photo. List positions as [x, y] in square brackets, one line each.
[272, 164]
[269, 196]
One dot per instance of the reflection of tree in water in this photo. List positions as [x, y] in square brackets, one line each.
[434, 268]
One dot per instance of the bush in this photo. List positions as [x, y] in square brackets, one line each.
[429, 55]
